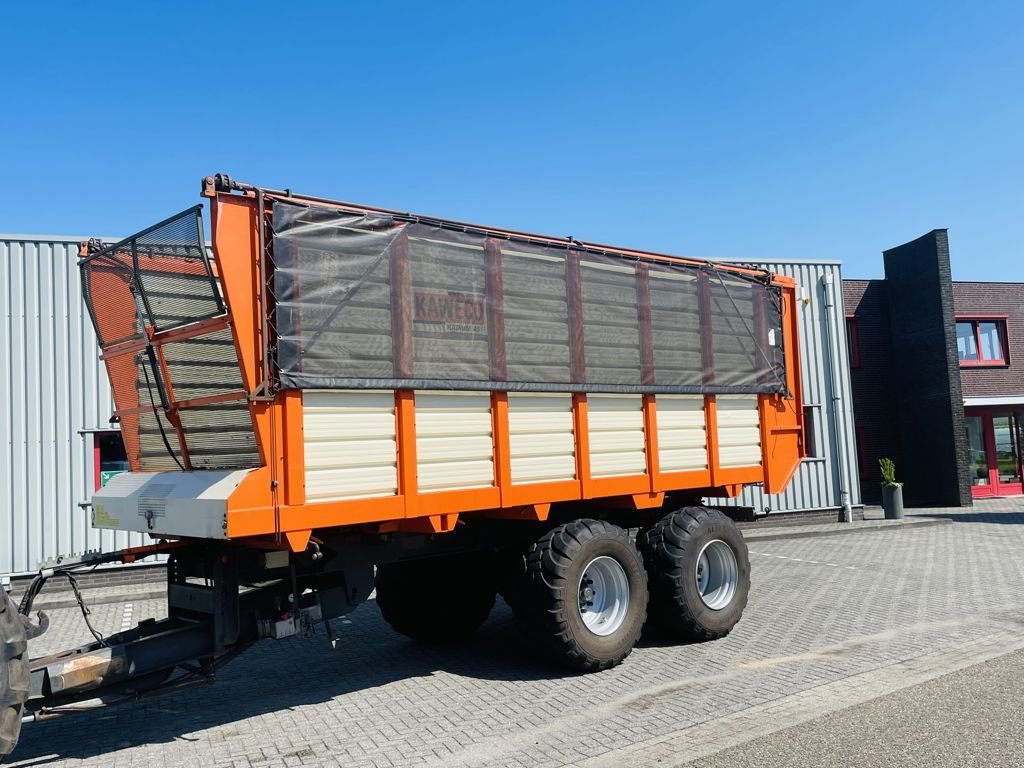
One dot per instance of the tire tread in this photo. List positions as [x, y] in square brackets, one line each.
[542, 604]
[663, 546]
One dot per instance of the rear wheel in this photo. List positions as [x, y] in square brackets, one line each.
[438, 600]
[699, 571]
[582, 594]
[13, 673]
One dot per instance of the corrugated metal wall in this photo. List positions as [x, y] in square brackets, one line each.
[820, 480]
[53, 395]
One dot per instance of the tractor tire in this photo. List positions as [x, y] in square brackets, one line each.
[582, 595]
[699, 573]
[437, 600]
[13, 673]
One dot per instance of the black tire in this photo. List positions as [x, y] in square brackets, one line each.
[13, 673]
[671, 549]
[439, 600]
[547, 597]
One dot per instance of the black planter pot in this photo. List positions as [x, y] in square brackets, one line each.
[892, 501]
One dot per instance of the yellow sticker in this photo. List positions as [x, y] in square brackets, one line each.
[101, 519]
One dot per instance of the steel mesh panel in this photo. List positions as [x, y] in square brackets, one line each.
[153, 455]
[123, 372]
[203, 366]
[220, 436]
[143, 442]
[159, 278]
[108, 288]
[174, 272]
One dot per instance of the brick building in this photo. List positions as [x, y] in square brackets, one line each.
[937, 369]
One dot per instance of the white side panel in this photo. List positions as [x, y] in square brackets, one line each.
[682, 433]
[168, 503]
[350, 446]
[739, 431]
[454, 446]
[616, 433]
[543, 446]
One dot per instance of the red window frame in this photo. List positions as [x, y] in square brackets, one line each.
[853, 340]
[983, 362]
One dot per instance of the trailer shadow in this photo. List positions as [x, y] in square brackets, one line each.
[281, 676]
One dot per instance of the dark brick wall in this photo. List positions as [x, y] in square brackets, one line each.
[994, 299]
[926, 372]
[874, 405]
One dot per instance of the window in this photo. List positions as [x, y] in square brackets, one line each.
[109, 457]
[981, 340]
[810, 432]
[853, 341]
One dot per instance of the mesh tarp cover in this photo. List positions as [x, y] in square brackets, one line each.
[371, 300]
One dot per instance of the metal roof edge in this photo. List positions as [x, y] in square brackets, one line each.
[53, 238]
[742, 260]
[990, 400]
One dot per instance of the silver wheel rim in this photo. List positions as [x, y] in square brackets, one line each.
[717, 574]
[603, 595]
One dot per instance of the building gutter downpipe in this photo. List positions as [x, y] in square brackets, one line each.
[841, 437]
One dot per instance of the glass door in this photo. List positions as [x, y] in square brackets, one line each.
[981, 481]
[1006, 442]
[994, 442]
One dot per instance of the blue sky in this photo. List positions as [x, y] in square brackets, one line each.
[753, 130]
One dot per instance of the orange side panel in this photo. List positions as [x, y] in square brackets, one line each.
[782, 418]
[461, 500]
[502, 446]
[236, 251]
[711, 432]
[582, 437]
[651, 441]
[540, 493]
[294, 448]
[673, 481]
[408, 483]
[739, 475]
[624, 485]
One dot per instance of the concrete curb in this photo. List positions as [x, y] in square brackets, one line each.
[842, 529]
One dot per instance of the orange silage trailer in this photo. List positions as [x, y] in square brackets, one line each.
[342, 398]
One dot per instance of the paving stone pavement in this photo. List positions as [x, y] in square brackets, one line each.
[831, 622]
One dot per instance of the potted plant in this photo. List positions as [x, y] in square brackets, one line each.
[892, 492]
